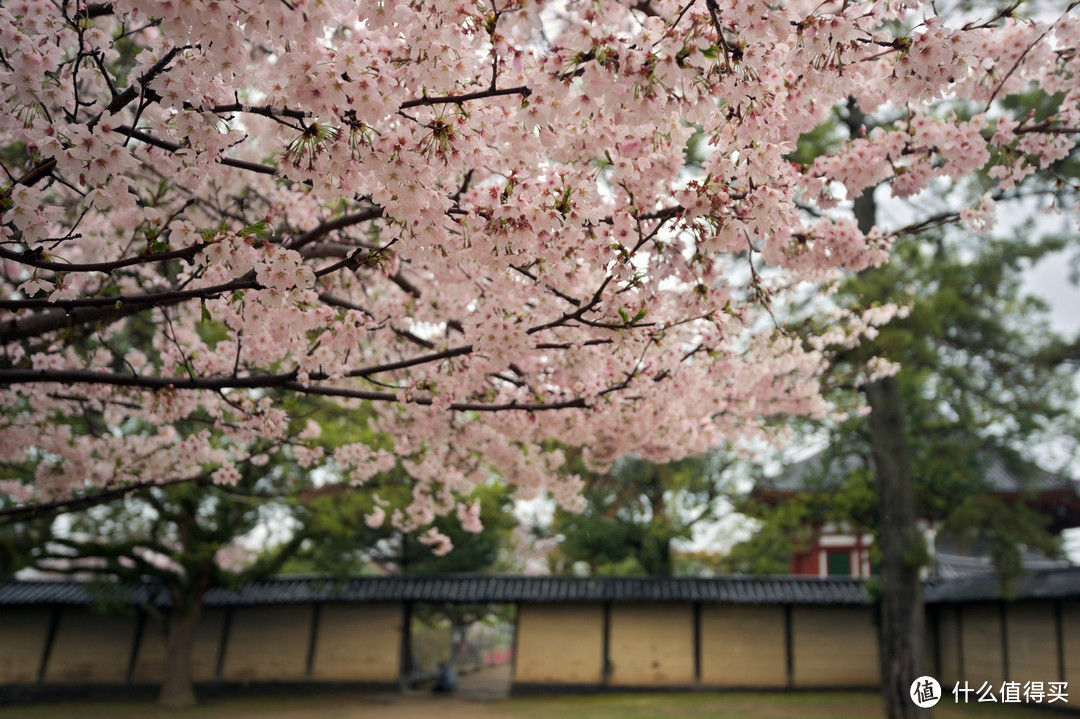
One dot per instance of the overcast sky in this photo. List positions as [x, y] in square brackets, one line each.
[1050, 279]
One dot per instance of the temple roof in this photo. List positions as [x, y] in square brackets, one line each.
[469, 589]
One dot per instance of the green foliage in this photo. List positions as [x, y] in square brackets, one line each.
[343, 544]
[784, 529]
[18, 541]
[981, 375]
[636, 511]
[1004, 530]
[826, 137]
[173, 534]
[976, 388]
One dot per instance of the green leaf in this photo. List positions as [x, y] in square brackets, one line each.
[259, 229]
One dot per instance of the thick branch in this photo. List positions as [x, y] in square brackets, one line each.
[338, 223]
[109, 309]
[247, 282]
[280, 381]
[36, 325]
[78, 376]
[465, 97]
[93, 10]
[173, 147]
[29, 511]
[576, 403]
[29, 259]
[264, 110]
[141, 300]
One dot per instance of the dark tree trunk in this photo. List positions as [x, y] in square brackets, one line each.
[178, 690]
[903, 552]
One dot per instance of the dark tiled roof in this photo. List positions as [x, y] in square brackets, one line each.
[819, 472]
[1000, 478]
[79, 593]
[955, 559]
[1042, 584]
[823, 471]
[465, 589]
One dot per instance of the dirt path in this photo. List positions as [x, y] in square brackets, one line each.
[335, 706]
[425, 705]
[488, 683]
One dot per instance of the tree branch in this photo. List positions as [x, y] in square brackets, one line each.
[173, 147]
[30, 511]
[463, 98]
[30, 260]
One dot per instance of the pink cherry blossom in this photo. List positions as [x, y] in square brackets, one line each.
[484, 228]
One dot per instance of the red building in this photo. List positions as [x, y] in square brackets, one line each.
[835, 551]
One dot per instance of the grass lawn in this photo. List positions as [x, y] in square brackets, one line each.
[609, 706]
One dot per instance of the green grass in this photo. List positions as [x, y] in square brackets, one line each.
[731, 705]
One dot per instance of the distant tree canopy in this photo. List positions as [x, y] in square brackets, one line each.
[191, 537]
[978, 382]
[637, 511]
[346, 543]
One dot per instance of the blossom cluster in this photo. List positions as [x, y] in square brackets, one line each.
[496, 226]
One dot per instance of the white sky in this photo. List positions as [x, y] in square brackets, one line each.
[1050, 280]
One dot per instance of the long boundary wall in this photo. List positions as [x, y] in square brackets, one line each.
[312, 642]
[616, 645]
[688, 645]
[726, 646]
[1026, 641]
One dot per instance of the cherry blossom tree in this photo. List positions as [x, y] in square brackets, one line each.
[477, 217]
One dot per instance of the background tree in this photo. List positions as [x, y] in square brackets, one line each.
[779, 531]
[1053, 177]
[189, 537]
[636, 512]
[974, 386]
[349, 542]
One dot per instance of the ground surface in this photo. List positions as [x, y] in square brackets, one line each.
[611, 706]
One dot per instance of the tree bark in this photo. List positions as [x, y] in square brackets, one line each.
[177, 690]
[902, 612]
[903, 552]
